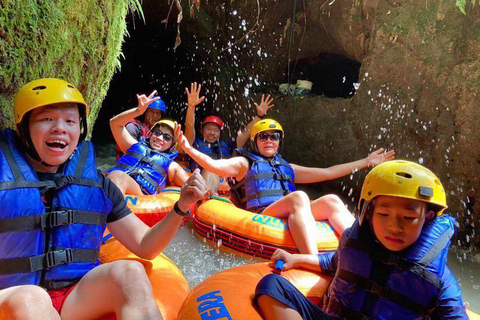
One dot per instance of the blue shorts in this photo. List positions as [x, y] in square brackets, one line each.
[280, 289]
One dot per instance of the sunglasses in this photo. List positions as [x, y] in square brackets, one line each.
[158, 133]
[263, 136]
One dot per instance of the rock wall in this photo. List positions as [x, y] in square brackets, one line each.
[419, 82]
[79, 41]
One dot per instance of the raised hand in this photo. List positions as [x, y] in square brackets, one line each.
[265, 104]
[181, 139]
[379, 156]
[192, 190]
[144, 101]
[194, 94]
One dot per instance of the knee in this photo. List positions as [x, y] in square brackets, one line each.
[27, 302]
[299, 198]
[332, 201]
[131, 277]
[269, 283]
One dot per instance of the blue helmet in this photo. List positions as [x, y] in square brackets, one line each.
[158, 105]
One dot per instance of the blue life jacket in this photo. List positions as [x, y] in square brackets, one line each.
[266, 181]
[376, 283]
[51, 248]
[216, 150]
[147, 166]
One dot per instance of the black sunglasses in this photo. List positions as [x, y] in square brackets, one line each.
[158, 133]
[263, 136]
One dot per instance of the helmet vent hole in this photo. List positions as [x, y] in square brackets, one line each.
[438, 182]
[70, 86]
[405, 175]
[39, 88]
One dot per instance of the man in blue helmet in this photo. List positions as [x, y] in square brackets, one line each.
[139, 128]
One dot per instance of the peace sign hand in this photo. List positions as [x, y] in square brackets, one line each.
[144, 101]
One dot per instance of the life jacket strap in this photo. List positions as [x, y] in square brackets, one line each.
[265, 193]
[46, 261]
[381, 291]
[397, 261]
[52, 219]
[344, 312]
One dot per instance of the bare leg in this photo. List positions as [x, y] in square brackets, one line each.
[296, 208]
[332, 208]
[120, 287]
[27, 302]
[125, 183]
[272, 309]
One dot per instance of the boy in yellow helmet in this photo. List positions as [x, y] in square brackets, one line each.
[390, 265]
[148, 164]
[262, 181]
[55, 207]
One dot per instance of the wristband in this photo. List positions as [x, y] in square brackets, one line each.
[259, 116]
[180, 212]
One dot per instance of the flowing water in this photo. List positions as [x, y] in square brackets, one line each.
[199, 260]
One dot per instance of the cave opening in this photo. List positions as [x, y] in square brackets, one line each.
[332, 75]
[148, 63]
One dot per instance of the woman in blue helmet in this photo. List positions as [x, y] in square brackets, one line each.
[147, 166]
[139, 128]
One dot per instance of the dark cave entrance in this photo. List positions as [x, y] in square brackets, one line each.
[332, 75]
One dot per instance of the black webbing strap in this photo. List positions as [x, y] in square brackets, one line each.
[47, 260]
[7, 152]
[52, 219]
[265, 175]
[437, 247]
[82, 160]
[144, 159]
[7, 185]
[145, 176]
[397, 262]
[265, 193]
[342, 311]
[66, 180]
[371, 286]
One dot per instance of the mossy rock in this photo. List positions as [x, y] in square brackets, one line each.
[78, 41]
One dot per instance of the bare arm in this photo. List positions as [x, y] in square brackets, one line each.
[262, 108]
[235, 167]
[312, 175]
[118, 123]
[307, 261]
[148, 242]
[193, 101]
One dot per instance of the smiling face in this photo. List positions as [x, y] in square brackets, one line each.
[211, 132]
[161, 138]
[55, 131]
[397, 222]
[152, 116]
[266, 144]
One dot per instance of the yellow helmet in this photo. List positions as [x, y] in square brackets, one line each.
[405, 179]
[265, 125]
[43, 92]
[168, 123]
[171, 125]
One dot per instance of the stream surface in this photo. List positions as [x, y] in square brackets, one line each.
[199, 260]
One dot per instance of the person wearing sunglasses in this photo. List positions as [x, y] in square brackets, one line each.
[263, 182]
[148, 164]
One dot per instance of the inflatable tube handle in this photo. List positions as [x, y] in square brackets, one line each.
[279, 265]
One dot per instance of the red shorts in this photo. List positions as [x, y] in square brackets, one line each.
[59, 296]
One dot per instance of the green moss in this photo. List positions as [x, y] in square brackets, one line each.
[79, 41]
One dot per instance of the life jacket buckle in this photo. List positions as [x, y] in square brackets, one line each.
[59, 218]
[56, 258]
[63, 181]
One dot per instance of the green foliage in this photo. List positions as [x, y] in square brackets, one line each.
[461, 4]
[79, 41]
